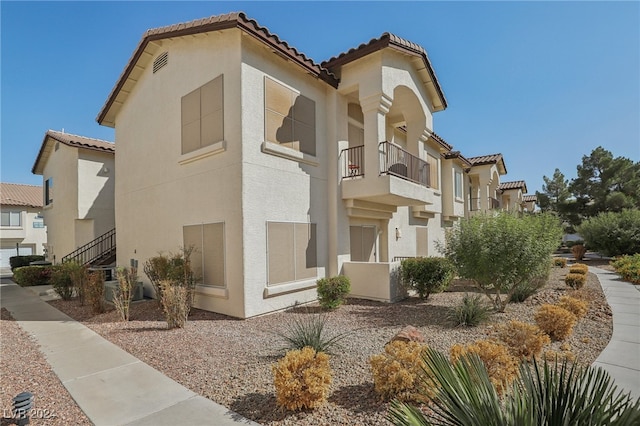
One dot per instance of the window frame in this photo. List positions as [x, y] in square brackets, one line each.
[313, 227]
[458, 185]
[200, 281]
[11, 214]
[48, 191]
[215, 142]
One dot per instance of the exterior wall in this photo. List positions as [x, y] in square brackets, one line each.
[60, 215]
[96, 181]
[278, 188]
[453, 207]
[153, 203]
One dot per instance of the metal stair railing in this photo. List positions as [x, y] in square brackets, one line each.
[101, 247]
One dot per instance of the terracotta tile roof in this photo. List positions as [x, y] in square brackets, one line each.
[15, 194]
[394, 42]
[441, 141]
[496, 159]
[69, 140]
[456, 154]
[530, 198]
[215, 23]
[516, 184]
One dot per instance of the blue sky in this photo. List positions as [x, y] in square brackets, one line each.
[543, 83]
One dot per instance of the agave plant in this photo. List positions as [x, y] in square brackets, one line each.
[310, 330]
[545, 394]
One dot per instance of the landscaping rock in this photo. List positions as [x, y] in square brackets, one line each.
[409, 334]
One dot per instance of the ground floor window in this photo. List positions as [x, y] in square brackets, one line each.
[422, 241]
[363, 243]
[207, 257]
[291, 252]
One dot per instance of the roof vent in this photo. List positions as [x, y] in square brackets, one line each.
[160, 61]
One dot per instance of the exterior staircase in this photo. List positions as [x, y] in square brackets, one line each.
[99, 252]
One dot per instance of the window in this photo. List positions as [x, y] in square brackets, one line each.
[11, 219]
[202, 116]
[422, 241]
[48, 191]
[458, 185]
[290, 118]
[291, 252]
[433, 171]
[363, 243]
[207, 257]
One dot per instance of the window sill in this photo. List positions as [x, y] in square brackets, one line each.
[12, 228]
[288, 153]
[459, 200]
[206, 290]
[277, 289]
[201, 153]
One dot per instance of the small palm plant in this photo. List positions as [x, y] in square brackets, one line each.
[545, 394]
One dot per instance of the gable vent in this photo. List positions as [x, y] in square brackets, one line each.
[160, 61]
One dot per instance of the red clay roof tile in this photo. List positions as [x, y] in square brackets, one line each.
[15, 194]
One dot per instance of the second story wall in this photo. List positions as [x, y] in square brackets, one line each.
[96, 181]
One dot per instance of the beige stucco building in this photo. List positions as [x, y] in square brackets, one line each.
[78, 183]
[277, 169]
[22, 231]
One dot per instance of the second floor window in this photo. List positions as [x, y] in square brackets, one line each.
[290, 118]
[203, 116]
[11, 219]
[48, 191]
[458, 185]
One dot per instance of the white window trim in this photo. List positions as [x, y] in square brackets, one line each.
[212, 291]
[204, 152]
[276, 289]
[14, 227]
[289, 153]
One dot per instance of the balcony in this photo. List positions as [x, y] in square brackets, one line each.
[402, 179]
[475, 204]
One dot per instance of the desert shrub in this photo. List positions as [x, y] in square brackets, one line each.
[579, 268]
[127, 280]
[628, 267]
[302, 379]
[522, 292]
[557, 322]
[577, 307]
[310, 330]
[558, 356]
[20, 261]
[500, 252]
[470, 312]
[524, 340]
[174, 268]
[79, 277]
[396, 372]
[613, 233]
[545, 394]
[575, 281]
[61, 280]
[27, 276]
[578, 251]
[501, 365]
[560, 261]
[332, 292]
[427, 275]
[176, 304]
[95, 291]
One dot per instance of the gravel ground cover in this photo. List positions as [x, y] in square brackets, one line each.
[229, 360]
[24, 368]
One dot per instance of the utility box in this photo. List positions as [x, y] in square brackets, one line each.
[110, 288]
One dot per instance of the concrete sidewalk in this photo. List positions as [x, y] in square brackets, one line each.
[110, 385]
[621, 357]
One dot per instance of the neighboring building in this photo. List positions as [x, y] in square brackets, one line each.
[530, 203]
[513, 195]
[280, 170]
[484, 182]
[22, 231]
[78, 181]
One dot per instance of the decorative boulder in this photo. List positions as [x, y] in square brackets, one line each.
[409, 334]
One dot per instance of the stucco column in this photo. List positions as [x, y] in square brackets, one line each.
[374, 109]
[383, 241]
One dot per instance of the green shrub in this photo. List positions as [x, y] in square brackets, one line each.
[20, 261]
[332, 292]
[427, 275]
[628, 267]
[174, 268]
[470, 312]
[498, 252]
[522, 292]
[27, 276]
[79, 277]
[543, 394]
[613, 234]
[309, 329]
[61, 280]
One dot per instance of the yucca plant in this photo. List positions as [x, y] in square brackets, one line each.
[309, 330]
[553, 394]
[470, 312]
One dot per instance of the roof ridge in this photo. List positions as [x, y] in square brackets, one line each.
[21, 184]
[79, 136]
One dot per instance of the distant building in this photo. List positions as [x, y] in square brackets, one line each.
[22, 231]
